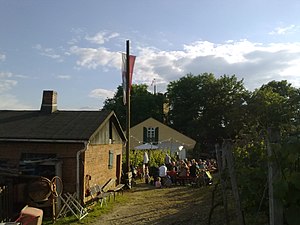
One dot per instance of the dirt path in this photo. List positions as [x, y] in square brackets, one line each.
[176, 205]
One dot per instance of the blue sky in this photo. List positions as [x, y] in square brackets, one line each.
[73, 47]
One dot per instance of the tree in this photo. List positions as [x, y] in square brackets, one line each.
[185, 102]
[116, 104]
[144, 104]
[207, 109]
[274, 106]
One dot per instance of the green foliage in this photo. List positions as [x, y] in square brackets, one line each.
[251, 170]
[116, 104]
[93, 213]
[292, 215]
[143, 105]
[156, 157]
[275, 106]
[281, 188]
[212, 107]
[287, 187]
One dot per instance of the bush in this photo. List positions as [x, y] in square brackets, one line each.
[156, 157]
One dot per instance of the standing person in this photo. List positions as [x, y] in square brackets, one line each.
[194, 168]
[183, 172]
[168, 161]
[146, 158]
[145, 167]
[145, 161]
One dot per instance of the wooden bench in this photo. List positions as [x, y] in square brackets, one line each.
[117, 189]
[110, 187]
[182, 180]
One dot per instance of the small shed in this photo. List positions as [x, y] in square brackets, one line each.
[81, 147]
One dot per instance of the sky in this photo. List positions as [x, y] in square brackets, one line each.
[74, 47]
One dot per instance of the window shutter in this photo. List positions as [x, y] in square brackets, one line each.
[156, 135]
[110, 133]
[145, 137]
[110, 159]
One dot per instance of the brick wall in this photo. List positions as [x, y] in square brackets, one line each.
[11, 152]
[96, 159]
[96, 166]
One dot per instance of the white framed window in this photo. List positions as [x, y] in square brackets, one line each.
[150, 133]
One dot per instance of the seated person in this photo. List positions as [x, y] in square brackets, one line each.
[163, 173]
[154, 172]
[162, 170]
[173, 174]
[167, 181]
[183, 172]
[158, 183]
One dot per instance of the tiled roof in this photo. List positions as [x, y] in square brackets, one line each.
[59, 125]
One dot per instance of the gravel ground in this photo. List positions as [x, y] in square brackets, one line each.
[177, 205]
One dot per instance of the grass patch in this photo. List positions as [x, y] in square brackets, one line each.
[94, 212]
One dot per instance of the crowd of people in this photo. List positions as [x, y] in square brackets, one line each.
[178, 172]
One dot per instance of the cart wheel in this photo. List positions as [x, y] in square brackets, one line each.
[56, 186]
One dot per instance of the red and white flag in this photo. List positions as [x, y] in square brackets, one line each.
[124, 74]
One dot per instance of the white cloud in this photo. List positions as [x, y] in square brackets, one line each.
[256, 63]
[8, 101]
[284, 30]
[21, 76]
[2, 57]
[64, 77]
[77, 34]
[4, 75]
[232, 52]
[48, 52]
[92, 58]
[102, 37]
[162, 65]
[101, 94]
[6, 83]
[73, 41]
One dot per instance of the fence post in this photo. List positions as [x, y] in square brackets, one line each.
[275, 206]
[221, 167]
[230, 163]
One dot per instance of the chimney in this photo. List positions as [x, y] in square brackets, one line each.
[49, 101]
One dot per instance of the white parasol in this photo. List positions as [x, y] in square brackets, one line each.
[146, 146]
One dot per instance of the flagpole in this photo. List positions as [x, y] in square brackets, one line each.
[127, 108]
